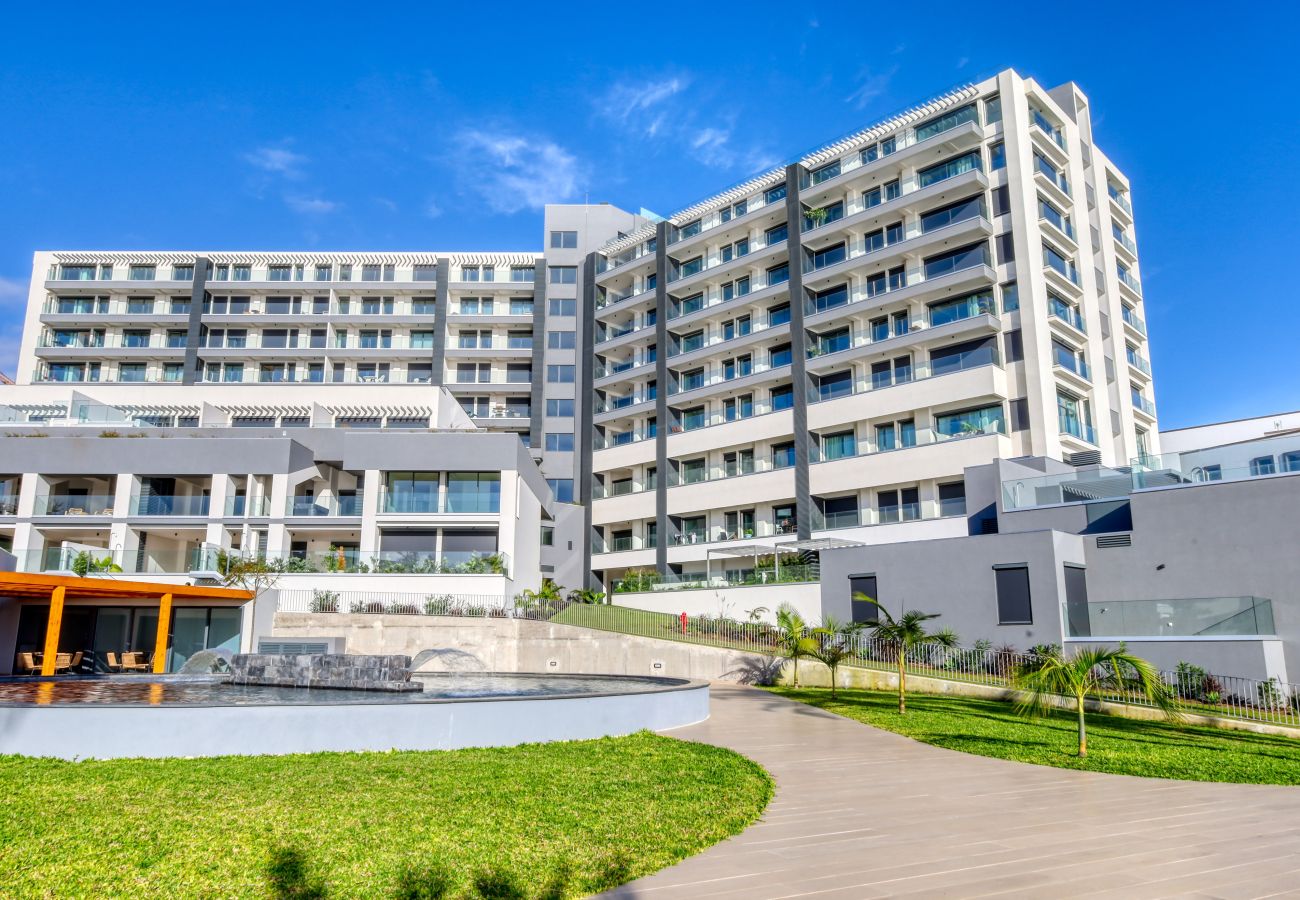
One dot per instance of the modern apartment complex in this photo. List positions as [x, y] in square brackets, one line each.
[812, 358]
[820, 352]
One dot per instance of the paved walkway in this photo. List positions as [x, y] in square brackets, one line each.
[862, 813]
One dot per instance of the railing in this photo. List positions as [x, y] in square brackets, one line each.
[170, 505]
[1195, 691]
[764, 574]
[1145, 405]
[1183, 617]
[393, 603]
[1072, 425]
[240, 506]
[307, 505]
[1126, 278]
[8, 505]
[74, 505]
[478, 503]
[349, 561]
[1119, 198]
[1138, 362]
[1067, 314]
[1135, 320]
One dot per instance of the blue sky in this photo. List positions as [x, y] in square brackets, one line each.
[271, 126]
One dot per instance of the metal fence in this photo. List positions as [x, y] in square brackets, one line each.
[1195, 690]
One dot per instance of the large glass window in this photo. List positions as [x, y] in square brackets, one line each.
[474, 492]
[949, 168]
[970, 208]
[956, 260]
[966, 355]
[984, 420]
[831, 298]
[840, 445]
[961, 308]
[946, 122]
[411, 492]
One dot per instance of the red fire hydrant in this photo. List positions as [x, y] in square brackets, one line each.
[683, 617]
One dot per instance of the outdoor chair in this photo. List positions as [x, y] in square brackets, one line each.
[27, 664]
[62, 662]
[112, 662]
[134, 662]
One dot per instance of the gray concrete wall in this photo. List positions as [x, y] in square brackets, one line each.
[518, 645]
[955, 578]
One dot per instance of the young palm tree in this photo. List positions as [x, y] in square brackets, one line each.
[792, 636]
[904, 633]
[1084, 674]
[833, 645]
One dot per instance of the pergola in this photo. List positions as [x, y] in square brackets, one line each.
[59, 589]
[776, 549]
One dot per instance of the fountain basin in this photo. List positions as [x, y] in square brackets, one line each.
[178, 716]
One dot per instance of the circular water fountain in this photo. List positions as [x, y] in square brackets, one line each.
[166, 716]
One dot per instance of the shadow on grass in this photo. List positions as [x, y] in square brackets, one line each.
[286, 876]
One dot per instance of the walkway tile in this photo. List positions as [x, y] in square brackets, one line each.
[862, 813]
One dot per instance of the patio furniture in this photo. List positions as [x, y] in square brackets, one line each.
[62, 662]
[134, 662]
[112, 662]
[27, 664]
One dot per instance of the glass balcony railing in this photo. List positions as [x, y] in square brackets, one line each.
[74, 505]
[1185, 617]
[1048, 128]
[309, 506]
[1071, 425]
[1142, 403]
[1120, 198]
[1126, 278]
[1067, 314]
[472, 503]
[1075, 364]
[351, 561]
[1138, 362]
[1125, 241]
[169, 505]
[1130, 317]
[8, 505]
[240, 506]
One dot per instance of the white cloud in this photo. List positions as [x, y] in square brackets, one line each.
[277, 160]
[431, 209]
[626, 102]
[711, 147]
[310, 205]
[511, 172]
[870, 86]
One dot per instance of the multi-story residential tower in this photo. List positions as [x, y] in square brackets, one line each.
[824, 349]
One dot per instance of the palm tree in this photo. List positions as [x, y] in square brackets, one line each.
[904, 633]
[833, 646]
[549, 595]
[792, 636]
[1084, 674]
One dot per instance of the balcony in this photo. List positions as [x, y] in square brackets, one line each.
[74, 505]
[1063, 312]
[1126, 279]
[1139, 362]
[480, 503]
[1074, 427]
[193, 505]
[1134, 321]
[308, 506]
[1143, 405]
[350, 561]
[240, 506]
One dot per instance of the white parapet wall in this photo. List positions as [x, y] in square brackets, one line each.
[749, 603]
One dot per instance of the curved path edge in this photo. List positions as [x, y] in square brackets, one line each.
[861, 813]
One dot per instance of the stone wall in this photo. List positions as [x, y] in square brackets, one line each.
[325, 670]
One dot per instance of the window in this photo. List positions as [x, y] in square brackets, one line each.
[548, 536]
[865, 611]
[783, 455]
[956, 260]
[826, 172]
[1010, 297]
[1014, 604]
[948, 169]
[560, 408]
[1262, 465]
[182, 273]
[559, 374]
[370, 272]
[993, 110]
[559, 442]
[560, 340]
[173, 372]
[140, 273]
[691, 380]
[840, 445]
[970, 208]
[564, 274]
[473, 492]
[779, 355]
[952, 499]
[966, 355]
[776, 234]
[778, 315]
[285, 273]
[840, 512]
[828, 257]
[522, 273]
[782, 397]
[997, 156]
[772, 195]
[1291, 461]
[131, 372]
[984, 420]
[564, 240]
[324, 271]
[836, 384]
[961, 308]
[76, 273]
[556, 307]
[898, 505]
[831, 298]
[244, 272]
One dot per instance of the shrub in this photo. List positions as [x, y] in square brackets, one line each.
[324, 601]
[1190, 679]
[403, 609]
[439, 605]
[1270, 695]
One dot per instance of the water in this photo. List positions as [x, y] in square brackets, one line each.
[213, 691]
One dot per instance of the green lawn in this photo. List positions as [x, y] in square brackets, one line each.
[542, 820]
[1123, 746]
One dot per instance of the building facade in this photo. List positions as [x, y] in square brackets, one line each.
[823, 350]
[817, 355]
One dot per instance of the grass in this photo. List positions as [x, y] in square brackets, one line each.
[541, 820]
[1117, 745]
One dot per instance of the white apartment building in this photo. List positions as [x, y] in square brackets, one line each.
[813, 357]
[817, 355]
